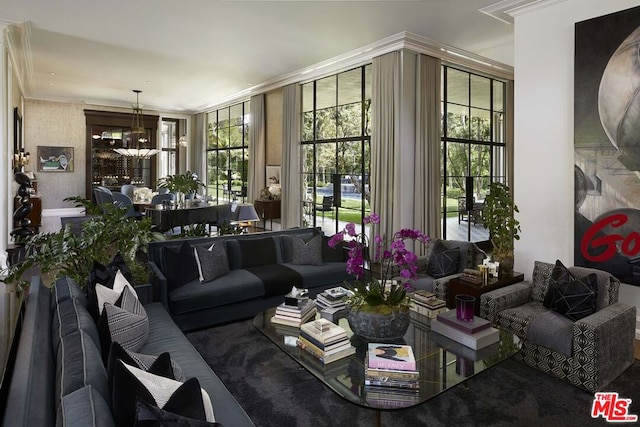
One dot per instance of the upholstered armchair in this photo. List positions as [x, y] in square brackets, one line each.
[589, 352]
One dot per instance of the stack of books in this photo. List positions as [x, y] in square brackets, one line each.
[324, 340]
[332, 302]
[472, 276]
[294, 315]
[426, 303]
[390, 375]
[477, 334]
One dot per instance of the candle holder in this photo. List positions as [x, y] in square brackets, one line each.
[465, 307]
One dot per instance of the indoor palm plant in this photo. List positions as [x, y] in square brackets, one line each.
[378, 305]
[499, 210]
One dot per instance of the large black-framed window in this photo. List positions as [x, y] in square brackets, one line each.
[473, 149]
[336, 118]
[228, 153]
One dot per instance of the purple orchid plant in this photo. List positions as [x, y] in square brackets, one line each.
[383, 293]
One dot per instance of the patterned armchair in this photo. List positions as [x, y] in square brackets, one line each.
[588, 353]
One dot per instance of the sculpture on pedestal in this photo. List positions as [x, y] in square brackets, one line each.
[20, 215]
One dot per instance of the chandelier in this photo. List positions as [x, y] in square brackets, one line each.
[138, 135]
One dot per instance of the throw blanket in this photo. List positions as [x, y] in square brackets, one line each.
[552, 330]
[277, 279]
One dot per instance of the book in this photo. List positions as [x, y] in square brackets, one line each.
[390, 382]
[290, 321]
[426, 311]
[323, 346]
[348, 351]
[391, 356]
[336, 349]
[450, 318]
[292, 311]
[324, 331]
[476, 341]
[423, 295]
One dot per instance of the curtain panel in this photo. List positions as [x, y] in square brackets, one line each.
[385, 107]
[427, 191]
[198, 150]
[291, 178]
[257, 148]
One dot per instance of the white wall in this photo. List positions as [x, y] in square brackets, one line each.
[544, 153]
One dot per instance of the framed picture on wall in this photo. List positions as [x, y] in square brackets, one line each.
[273, 175]
[17, 131]
[55, 159]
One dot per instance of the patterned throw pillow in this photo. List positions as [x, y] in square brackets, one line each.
[125, 322]
[131, 384]
[573, 297]
[443, 261]
[540, 280]
[161, 365]
[212, 262]
[307, 253]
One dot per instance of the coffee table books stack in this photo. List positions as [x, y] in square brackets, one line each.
[391, 378]
[476, 334]
[324, 340]
[294, 315]
[426, 303]
[332, 302]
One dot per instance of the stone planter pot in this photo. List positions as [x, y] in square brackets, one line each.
[379, 327]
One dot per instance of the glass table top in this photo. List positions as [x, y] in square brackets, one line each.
[442, 362]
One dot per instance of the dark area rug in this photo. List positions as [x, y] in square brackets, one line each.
[275, 391]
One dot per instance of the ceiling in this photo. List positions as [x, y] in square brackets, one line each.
[188, 56]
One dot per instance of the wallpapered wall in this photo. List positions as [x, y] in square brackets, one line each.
[56, 124]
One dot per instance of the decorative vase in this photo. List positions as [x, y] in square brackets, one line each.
[506, 265]
[379, 327]
[180, 199]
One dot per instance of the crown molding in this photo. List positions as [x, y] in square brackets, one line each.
[18, 40]
[506, 10]
[401, 41]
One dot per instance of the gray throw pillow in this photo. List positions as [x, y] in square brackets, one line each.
[212, 262]
[124, 322]
[306, 253]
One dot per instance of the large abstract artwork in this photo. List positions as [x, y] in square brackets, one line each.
[607, 144]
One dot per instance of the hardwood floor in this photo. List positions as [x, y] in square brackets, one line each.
[637, 350]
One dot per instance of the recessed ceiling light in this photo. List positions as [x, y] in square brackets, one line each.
[148, 82]
[50, 84]
[52, 73]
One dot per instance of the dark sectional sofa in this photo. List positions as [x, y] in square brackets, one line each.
[49, 389]
[262, 269]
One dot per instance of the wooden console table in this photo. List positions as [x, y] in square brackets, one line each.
[267, 210]
[459, 286]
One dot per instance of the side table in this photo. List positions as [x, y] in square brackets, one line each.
[460, 286]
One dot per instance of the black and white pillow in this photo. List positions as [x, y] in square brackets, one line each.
[443, 261]
[131, 384]
[124, 322]
[306, 253]
[105, 294]
[161, 364]
[212, 262]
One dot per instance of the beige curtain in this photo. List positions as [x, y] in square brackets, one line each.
[427, 147]
[291, 179]
[257, 144]
[197, 150]
[385, 107]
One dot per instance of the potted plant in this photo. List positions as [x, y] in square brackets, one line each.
[378, 307]
[181, 184]
[498, 213]
[65, 253]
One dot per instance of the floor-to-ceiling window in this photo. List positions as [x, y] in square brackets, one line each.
[168, 148]
[227, 153]
[473, 149]
[335, 148]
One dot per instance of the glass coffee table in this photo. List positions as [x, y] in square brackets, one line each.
[442, 362]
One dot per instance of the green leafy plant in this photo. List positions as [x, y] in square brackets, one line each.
[504, 228]
[186, 183]
[65, 253]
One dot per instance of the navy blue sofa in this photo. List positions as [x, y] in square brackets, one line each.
[261, 273]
